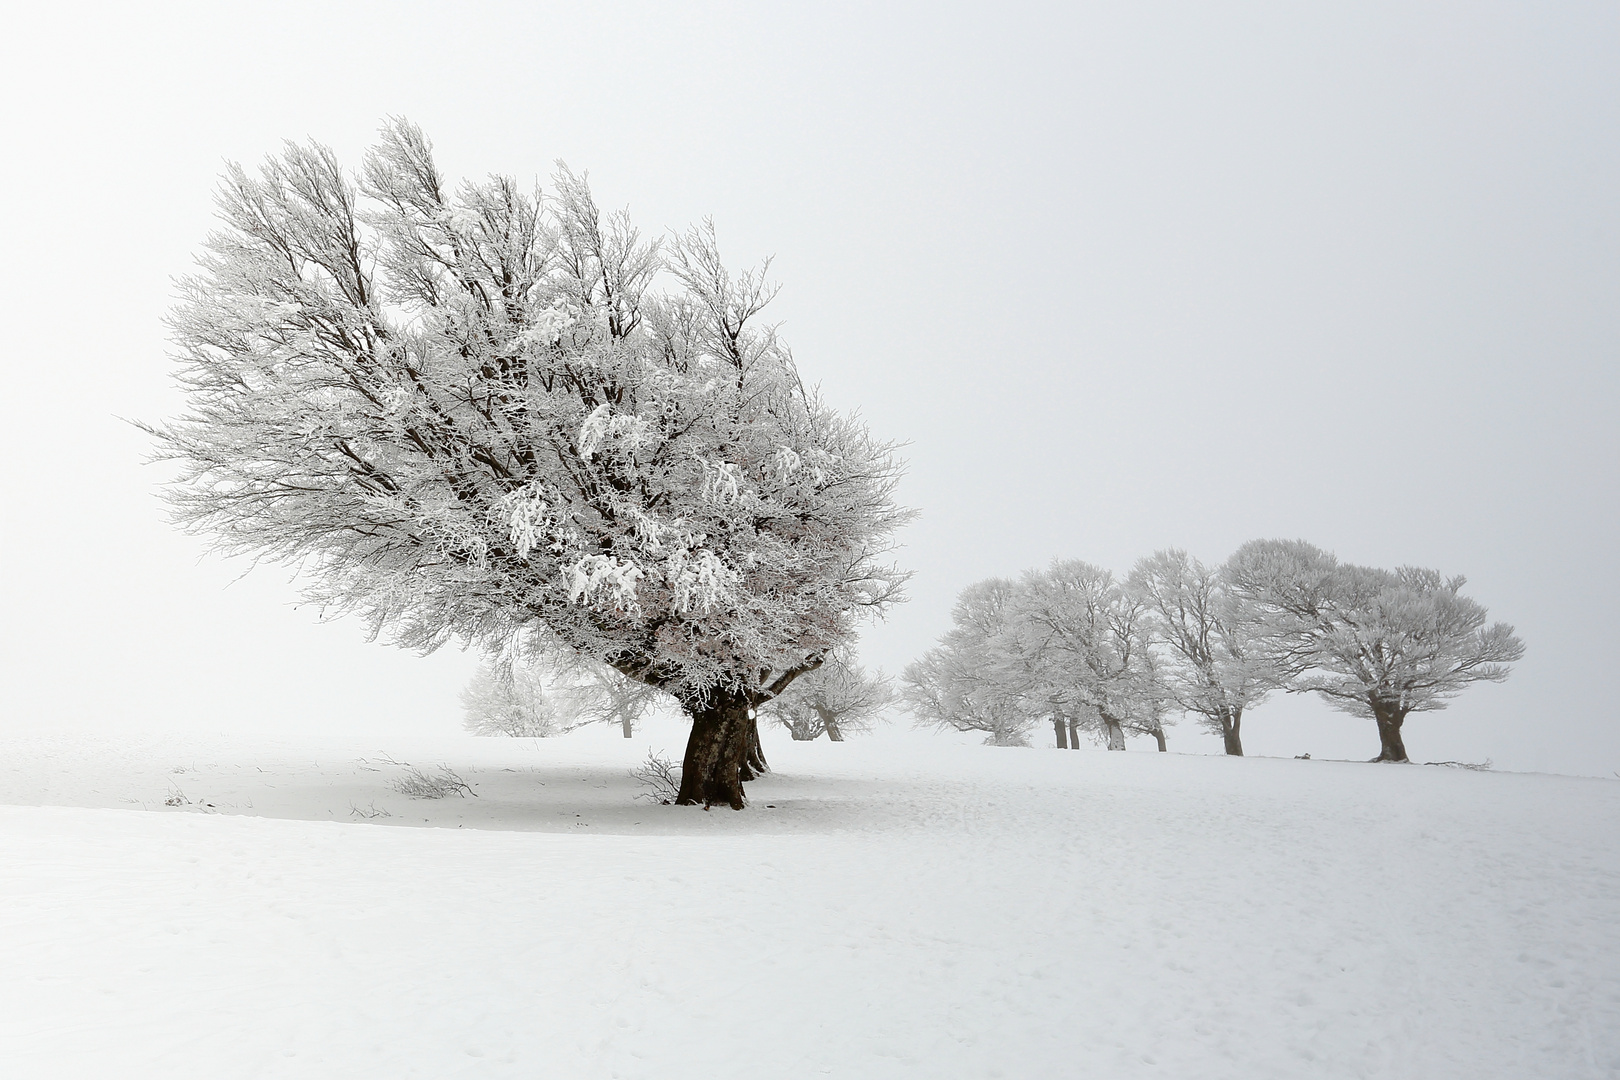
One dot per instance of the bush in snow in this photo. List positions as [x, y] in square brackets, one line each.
[418, 783]
[660, 777]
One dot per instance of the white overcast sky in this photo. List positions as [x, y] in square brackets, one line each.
[1124, 276]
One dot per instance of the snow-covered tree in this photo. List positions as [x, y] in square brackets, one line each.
[960, 684]
[1216, 664]
[507, 699]
[1375, 643]
[1067, 645]
[587, 691]
[480, 414]
[836, 699]
[1088, 635]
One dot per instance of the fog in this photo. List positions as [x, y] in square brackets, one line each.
[1122, 278]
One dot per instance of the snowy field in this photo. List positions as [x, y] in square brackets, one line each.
[898, 906]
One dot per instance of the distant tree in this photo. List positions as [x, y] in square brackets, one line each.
[506, 699]
[586, 691]
[1066, 645]
[1089, 637]
[1374, 643]
[1216, 664]
[961, 684]
[836, 699]
[467, 412]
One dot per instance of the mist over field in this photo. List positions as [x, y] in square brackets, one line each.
[1158, 377]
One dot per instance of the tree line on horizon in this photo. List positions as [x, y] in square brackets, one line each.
[1097, 656]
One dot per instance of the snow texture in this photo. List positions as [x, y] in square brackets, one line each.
[892, 907]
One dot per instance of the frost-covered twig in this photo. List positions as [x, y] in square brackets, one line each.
[419, 784]
[660, 776]
[1477, 766]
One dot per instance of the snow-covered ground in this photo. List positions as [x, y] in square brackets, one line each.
[896, 906]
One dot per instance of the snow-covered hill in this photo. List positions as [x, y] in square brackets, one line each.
[895, 907]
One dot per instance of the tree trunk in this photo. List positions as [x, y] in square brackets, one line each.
[754, 764]
[1074, 734]
[1116, 735]
[1391, 747]
[756, 749]
[1231, 729]
[829, 721]
[1158, 733]
[629, 723]
[1057, 726]
[717, 749]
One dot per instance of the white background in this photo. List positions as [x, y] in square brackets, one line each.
[1124, 276]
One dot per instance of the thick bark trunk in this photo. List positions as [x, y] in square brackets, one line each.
[1231, 731]
[1074, 734]
[1058, 728]
[1116, 735]
[1158, 733]
[629, 724]
[716, 751]
[1390, 745]
[834, 732]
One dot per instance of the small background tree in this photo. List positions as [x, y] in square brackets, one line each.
[587, 691]
[837, 699]
[1088, 636]
[509, 699]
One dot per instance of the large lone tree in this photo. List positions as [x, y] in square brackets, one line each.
[485, 415]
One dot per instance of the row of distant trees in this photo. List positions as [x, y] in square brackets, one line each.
[1096, 656]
